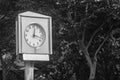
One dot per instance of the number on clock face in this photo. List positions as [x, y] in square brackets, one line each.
[34, 35]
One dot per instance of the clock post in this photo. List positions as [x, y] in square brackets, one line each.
[29, 70]
[33, 39]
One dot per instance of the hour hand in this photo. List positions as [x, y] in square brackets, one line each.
[37, 36]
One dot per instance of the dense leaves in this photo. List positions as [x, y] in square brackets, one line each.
[96, 22]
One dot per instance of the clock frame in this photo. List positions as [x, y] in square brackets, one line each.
[37, 53]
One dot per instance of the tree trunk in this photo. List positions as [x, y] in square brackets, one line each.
[92, 66]
[73, 77]
[91, 62]
[4, 70]
[4, 74]
[92, 71]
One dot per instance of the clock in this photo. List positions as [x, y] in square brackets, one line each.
[34, 35]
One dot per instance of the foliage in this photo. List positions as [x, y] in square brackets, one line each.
[71, 20]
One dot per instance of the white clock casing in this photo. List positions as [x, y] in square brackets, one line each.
[26, 19]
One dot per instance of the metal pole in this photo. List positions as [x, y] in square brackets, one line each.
[29, 70]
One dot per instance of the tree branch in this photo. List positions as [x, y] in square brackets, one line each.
[86, 10]
[83, 36]
[90, 41]
[85, 52]
[82, 46]
[2, 17]
[105, 39]
[100, 46]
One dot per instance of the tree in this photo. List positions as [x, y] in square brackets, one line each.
[99, 20]
[84, 32]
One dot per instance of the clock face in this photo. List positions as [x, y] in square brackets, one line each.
[34, 35]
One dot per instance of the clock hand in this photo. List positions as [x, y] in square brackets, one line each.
[37, 36]
[34, 32]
